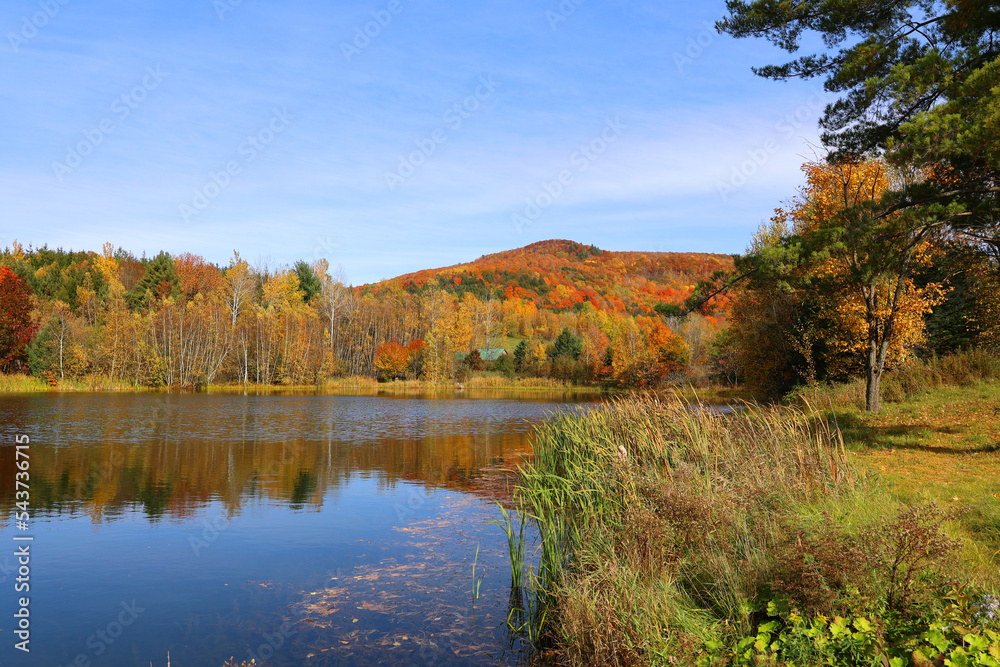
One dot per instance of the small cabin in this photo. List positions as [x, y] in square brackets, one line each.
[488, 354]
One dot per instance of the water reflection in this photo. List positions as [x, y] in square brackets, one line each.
[170, 454]
[353, 521]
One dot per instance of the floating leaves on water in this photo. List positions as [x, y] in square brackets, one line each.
[415, 605]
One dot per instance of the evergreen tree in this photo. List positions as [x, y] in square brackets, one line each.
[919, 82]
[504, 366]
[159, 281]
[43, 352]
[567, 345]
[309, 282]
[668, 309]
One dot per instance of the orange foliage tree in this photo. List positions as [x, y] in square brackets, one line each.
[391, 359]
[669, 352]
[196, 275]
[16, 323]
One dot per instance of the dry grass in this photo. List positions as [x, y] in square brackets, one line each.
[365, 386]
[664, 528]
[963, 369]
[22, 383]
[659, 523]
[19, 383]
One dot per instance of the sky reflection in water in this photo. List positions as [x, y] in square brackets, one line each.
[303, 530]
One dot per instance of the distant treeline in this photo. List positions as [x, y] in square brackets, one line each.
[182, 321]
[553, 310]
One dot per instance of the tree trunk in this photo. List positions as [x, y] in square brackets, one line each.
[873, 384]
[873, 369]
[62, 339]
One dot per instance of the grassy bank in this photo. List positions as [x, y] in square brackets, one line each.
[942, 446]
[916, 378]
[936, 439]
[363, 386]
[676, 537]
[95, 383]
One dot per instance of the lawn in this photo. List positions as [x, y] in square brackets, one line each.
[941, 445]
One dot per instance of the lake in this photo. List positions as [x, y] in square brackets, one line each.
[296, 530]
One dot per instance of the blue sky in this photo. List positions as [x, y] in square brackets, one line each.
[389, 136]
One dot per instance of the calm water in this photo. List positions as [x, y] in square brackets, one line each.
[300, 530]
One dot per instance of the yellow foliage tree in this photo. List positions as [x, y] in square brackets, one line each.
[843, 252]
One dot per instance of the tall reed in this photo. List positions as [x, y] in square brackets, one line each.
[656, 521]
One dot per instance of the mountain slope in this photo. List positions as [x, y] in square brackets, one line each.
[561, 274]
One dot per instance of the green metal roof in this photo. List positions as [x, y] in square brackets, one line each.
[487, 353]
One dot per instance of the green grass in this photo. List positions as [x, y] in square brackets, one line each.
[937, 437]
[510, 343]
[918, 377]
[941, 446]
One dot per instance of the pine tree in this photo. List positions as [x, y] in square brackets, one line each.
[919, 83]
[309, 282]
[520, 355]
[159, 281]
[567, 345]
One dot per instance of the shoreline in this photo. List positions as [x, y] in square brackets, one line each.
[22, 384]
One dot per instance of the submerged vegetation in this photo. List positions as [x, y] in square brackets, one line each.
[678, 536]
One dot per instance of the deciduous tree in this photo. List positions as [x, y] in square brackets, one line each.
[391, 360]
[836, 260]
[16, 323]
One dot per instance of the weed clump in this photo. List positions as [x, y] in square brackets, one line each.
[888, 567]
[666, 518]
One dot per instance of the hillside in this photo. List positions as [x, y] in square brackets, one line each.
[560, 274]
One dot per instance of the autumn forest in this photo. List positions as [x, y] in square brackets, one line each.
[557, 308]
